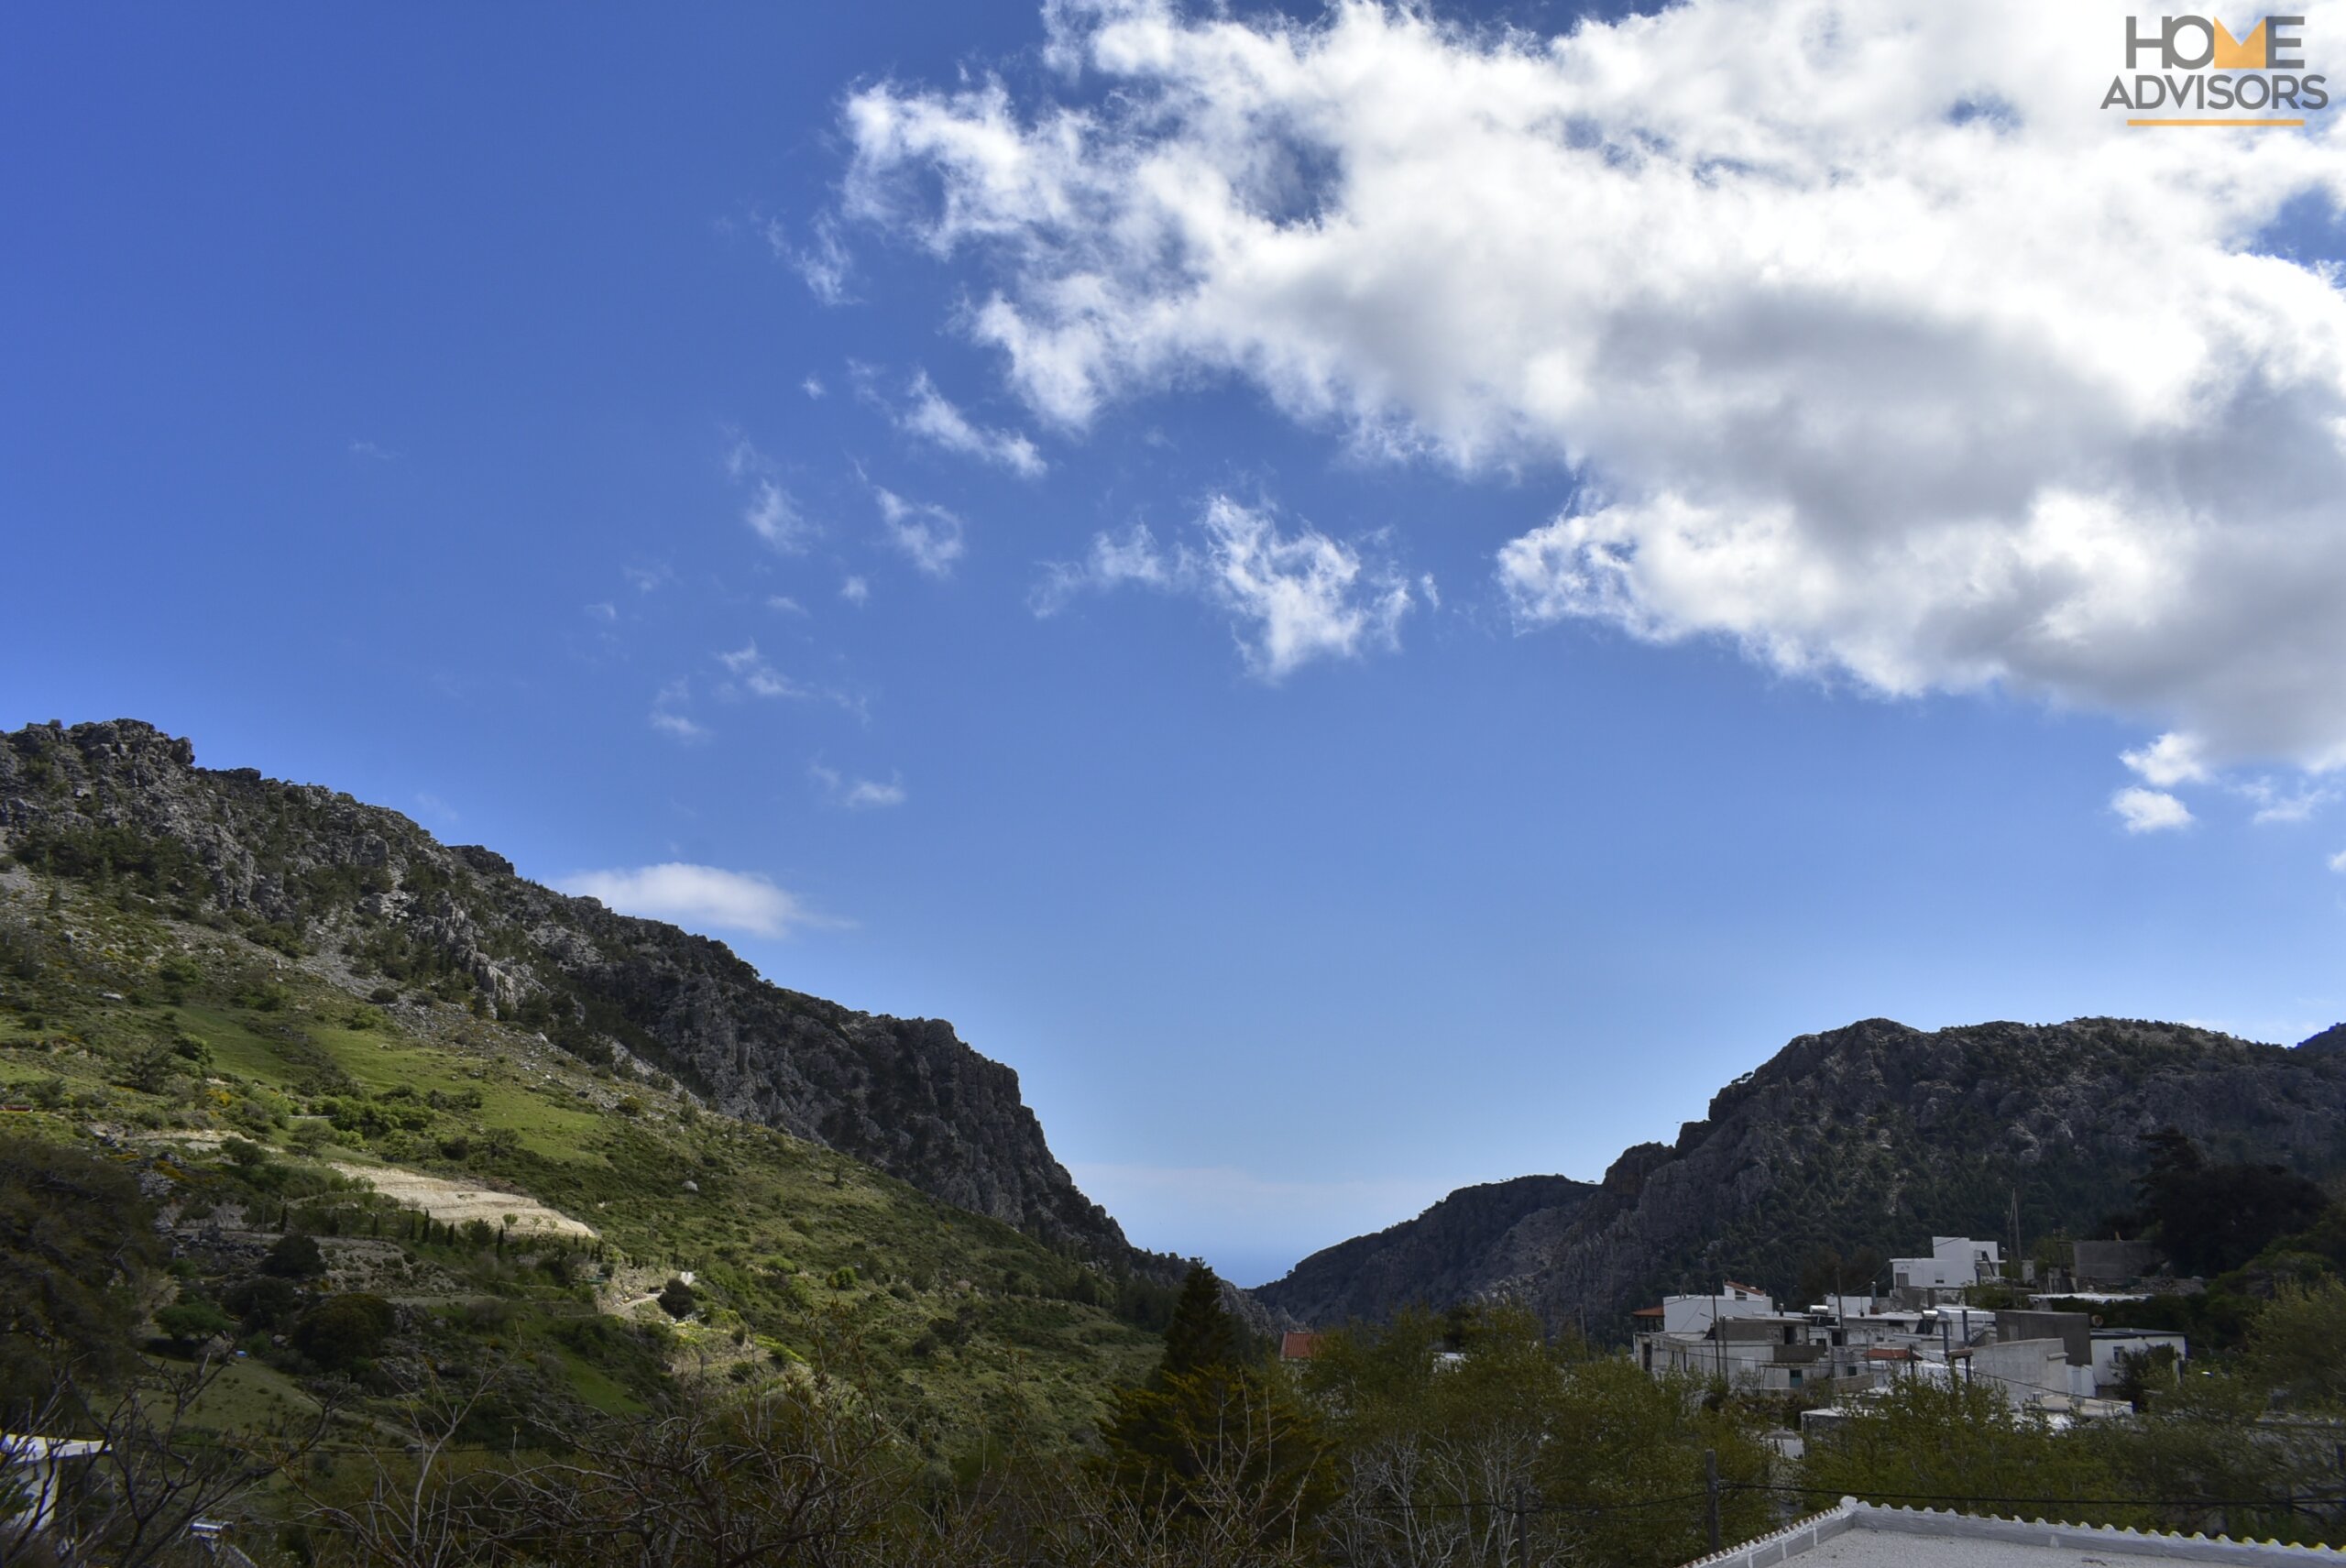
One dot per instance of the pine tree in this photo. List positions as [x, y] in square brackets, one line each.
[1203, 1334]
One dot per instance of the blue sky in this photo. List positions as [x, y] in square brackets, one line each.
[1387, 608]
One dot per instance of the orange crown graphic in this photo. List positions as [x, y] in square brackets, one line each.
[2239, 54]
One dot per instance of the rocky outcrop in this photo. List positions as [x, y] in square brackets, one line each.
[344, 885]
[1881, 1135]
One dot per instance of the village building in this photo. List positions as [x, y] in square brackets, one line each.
[2062, 1364]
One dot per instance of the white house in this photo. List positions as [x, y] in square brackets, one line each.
[1955, 1262]
[2110, 1345]
[1695, 1314]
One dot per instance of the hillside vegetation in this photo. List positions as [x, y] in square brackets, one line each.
[253, 1097]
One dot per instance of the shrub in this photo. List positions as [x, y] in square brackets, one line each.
[295, 1256]
[193, 1317]
[341, 1330]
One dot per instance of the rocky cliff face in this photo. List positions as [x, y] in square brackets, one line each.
[1881, 1135]
[363, 893]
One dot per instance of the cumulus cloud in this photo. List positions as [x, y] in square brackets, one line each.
[856, 591]
[2168, 761]
[1872, 384]
[2337, 862]
[2149, 810]
[929, 536]
[703, 898]
[1292, 598]
[933, 419]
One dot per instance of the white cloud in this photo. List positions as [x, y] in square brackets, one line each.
[702, 898]
[786, 604]
[667, 716]
[1862, 384]
[2337, 862]
[2149, 810]
[824, 263]
[373, 452]
[2170, 760]
[746, 665]
[647, 579]
[857, 794]
[605, 612]
[929, 536]
[1293, 597]
[932, 418]
[2274, 804]
[773, 518]
[769, 511]
[812, 387]
[856, 591]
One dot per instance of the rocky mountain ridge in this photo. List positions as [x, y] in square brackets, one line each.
[1873, 1135]
[364, 892]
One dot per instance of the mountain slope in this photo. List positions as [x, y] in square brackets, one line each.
[360, 894]
[1881, 1135]
[258, 1101]
[1444, 1254]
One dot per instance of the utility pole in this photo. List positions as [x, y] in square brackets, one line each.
[2017, 1275]
[1711, 1494]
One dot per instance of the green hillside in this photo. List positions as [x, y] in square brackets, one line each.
[254, 1089]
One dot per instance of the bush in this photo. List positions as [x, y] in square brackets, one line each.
[342, 1330]
[678, 1299]
[192, 1318]
[295, 1256]
[265, 1302]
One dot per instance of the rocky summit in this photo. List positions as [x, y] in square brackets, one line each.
[1874, 1135]
[359, 892]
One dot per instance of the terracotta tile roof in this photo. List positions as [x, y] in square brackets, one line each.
[1295, 1346]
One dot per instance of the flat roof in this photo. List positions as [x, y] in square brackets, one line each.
[1861, 1535]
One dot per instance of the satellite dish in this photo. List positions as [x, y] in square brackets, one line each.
[2096, 1320]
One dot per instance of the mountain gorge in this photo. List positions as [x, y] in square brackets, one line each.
[360, 894]
[1874, 1135]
